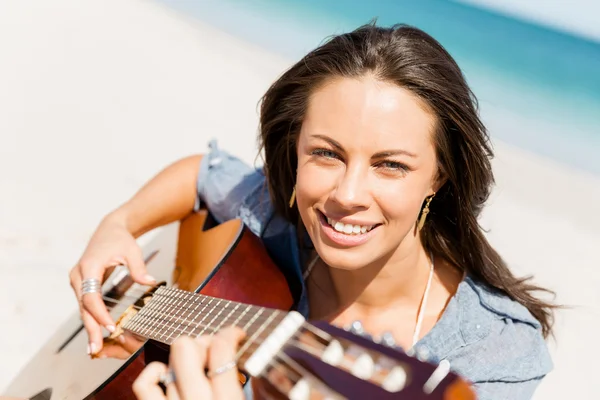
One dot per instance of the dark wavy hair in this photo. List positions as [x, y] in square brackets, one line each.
[413, 60]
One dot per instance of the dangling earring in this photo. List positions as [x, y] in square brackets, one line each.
[293, 197]
[425, 212]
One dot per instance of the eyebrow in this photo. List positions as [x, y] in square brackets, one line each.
[381, 154]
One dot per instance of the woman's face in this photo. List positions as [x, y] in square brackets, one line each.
[366, 162]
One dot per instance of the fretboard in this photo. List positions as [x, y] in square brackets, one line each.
[173, 312]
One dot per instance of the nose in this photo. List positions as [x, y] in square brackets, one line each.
[352, 191]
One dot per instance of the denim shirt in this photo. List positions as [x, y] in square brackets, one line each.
[489, 339]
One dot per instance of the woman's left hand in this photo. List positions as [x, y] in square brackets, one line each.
[188, 360]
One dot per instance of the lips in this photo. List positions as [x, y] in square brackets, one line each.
[348, 229]
[346, 235]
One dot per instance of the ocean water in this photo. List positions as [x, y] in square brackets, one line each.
[538, 89]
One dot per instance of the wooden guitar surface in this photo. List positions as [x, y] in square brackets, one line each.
[225, 261]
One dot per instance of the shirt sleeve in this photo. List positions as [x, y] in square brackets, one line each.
[514, 360]
[224, 182]
[521, 390]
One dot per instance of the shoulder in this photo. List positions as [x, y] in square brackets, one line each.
[230, 188]
[502, 342]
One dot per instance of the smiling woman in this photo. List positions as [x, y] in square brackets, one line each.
[376, 169]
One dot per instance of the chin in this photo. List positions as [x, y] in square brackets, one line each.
[346, 259]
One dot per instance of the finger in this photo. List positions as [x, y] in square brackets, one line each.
[95, 337]
[137, 268]
[173, 391]
[122, 347]
[145, 387]
[113, 350]
[92, 302]
[222, 351]
[188, 360]
[91, 326]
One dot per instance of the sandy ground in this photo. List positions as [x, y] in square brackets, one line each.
[97, 96]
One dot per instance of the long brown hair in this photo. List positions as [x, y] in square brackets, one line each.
[415, 61]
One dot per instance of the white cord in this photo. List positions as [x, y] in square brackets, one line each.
[310, 267]
[423, 306]
[421, 314]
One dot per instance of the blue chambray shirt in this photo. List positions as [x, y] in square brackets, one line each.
[490, 340]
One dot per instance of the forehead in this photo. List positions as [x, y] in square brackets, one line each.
[369, 113]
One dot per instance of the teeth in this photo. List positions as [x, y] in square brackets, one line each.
[348, 229]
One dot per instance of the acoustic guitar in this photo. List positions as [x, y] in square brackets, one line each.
[211, 276]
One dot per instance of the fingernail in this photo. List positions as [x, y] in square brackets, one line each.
[149, 278]
[110, 328]
[88, 349]
[121, 339]
[93, 348]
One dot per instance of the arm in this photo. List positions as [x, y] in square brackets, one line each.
[166, 198]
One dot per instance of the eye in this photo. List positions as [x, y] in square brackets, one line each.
[393, 166]
[325, 153]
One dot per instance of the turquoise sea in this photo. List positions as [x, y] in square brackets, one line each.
[538, 88]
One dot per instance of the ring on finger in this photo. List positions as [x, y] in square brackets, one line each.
[90, 285]
[222, 369]
[168, 377]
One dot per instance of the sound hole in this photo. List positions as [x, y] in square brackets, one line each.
[45, 394]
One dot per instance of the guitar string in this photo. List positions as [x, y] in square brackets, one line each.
[172, 297]
[147, 323]
[291, 342]
[171, 301]
[316, 348]
[178, 318]
[318, 332]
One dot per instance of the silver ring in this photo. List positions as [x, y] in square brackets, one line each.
[91, 285]
[168, 377]
[222, 369]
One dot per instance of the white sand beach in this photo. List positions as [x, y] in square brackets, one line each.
[98, 96]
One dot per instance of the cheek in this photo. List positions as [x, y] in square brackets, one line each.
[399, 200]
[313, 184]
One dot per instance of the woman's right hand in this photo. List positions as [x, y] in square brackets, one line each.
[111, 245]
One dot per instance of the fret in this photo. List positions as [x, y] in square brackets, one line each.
[146, 322]
[178, 321]
[238, 319]
[146, 317]
[177, 297]
[163, 302]
[257, 333]
[198, 300]
[156, 318]
[174, 314]
[213, 319]
[254, 318]
[171, 313]
[140, 317]
[226, 317]
[204, 315]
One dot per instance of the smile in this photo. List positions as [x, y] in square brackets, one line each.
[345, 234]
[349, 229]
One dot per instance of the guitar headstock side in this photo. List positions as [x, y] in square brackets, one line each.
[330, 359]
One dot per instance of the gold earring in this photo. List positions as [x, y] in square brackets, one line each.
[425, 212]
[293, 197]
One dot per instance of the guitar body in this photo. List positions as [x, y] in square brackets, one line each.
[225, 261]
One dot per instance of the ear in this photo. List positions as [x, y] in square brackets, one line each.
[438, 182]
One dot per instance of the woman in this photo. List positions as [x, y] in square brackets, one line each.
[376, 169]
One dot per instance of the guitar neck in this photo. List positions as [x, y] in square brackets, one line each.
[172, 313]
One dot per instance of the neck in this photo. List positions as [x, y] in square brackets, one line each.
[172, 313]
[398, 280]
